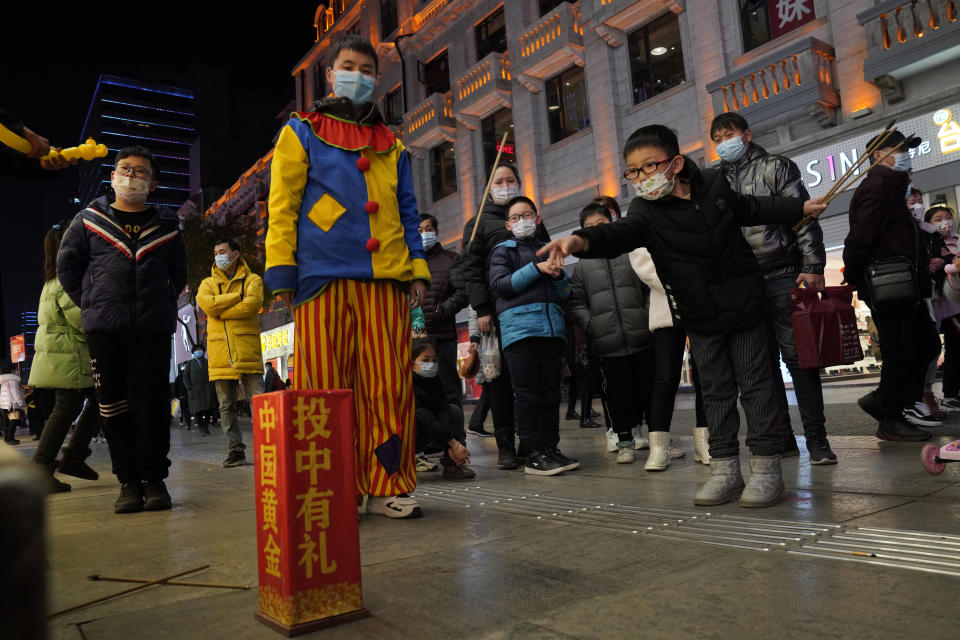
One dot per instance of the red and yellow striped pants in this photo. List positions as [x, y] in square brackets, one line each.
[356, 335]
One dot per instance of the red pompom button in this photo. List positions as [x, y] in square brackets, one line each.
[373, 244]
[371, 207]
[363, 163]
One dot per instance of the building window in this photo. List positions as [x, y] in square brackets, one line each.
[435, 74]
[567, 111]
[765, 20]
[656, 57]
[546, 6]
[491, 130]
[491, 35]
[444, 171]
[393, 107]
[388, 18]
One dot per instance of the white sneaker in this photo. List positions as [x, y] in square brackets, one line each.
[639, 442]
[425, 465]
[625, 454]
[612, 440]
[401, 506]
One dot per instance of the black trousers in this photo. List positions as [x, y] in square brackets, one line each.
[668, 345]
[628, 386]
[481, 409]
[68, 405]
[535, 369]
[450, 379]
[130, 373]
[909, 341]
[732, 365]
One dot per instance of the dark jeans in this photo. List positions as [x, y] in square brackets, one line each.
[130, 372]
[668, 344]
[450, 379]
[67, 405]
[806, 382]
[590, 384]
[951, 356]
[433, 431]
[732, 365]
[628, 386]
[909, 341]
[535, 365]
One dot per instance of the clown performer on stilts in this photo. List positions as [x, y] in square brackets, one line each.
[343, 250]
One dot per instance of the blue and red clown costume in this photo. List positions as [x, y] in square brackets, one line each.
[343, 238]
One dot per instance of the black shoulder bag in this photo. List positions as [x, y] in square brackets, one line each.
[892, 282]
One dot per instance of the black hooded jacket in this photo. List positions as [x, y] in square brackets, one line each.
[123, 283]
[709, 272]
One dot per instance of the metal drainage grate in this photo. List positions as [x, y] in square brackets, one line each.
[919, 551]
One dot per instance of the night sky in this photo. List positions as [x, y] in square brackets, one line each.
[50, 59]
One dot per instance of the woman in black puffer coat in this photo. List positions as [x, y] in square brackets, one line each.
[475, 267]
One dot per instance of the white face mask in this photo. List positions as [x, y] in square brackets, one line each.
[429, 239]
[916, 210]
[223, 261]
[945, 227]
[354, 85]
[654, 187]
[428, 369]
[524, 228]
[131, 189]
[503, 195]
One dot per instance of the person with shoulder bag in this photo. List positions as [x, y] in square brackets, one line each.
[886, 261]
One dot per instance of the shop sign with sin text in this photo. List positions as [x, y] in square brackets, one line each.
[939, 129]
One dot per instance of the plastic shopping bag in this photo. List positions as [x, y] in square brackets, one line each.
[490, 355]
[825, 327]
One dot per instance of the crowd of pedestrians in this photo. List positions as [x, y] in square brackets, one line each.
[703, 262]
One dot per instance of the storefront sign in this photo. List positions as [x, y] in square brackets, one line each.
[787, 15]
[277, 342]
[308, 545]
[821, 168]
[18, 348]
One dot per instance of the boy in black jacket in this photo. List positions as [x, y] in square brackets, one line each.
[124, 262]
[690, 221]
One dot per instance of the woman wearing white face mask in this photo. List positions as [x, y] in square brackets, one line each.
[491, 231]
[945, 271]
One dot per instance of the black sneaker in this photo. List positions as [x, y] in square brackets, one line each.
[871, 404]
[131, 498]
[542, 464]
[572, 415]
[156, 497]
[820, 451]
[589, 423]
[479, 431]
[235, 459]
[569, 464]
[899, 430]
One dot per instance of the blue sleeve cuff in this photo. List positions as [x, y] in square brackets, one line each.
[281, 278]
[524, 277]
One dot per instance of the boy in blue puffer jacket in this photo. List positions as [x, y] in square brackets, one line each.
[529, 292]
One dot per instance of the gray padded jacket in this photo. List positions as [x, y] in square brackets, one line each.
[610, 303]
[778, 249]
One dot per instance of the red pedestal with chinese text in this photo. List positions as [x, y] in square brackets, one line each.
[308, 545]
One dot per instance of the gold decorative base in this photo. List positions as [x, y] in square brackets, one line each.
[314, 625]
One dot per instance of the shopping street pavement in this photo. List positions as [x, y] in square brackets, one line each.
[607, 551]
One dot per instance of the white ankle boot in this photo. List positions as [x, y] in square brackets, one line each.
[701, 445]
[659, 451]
